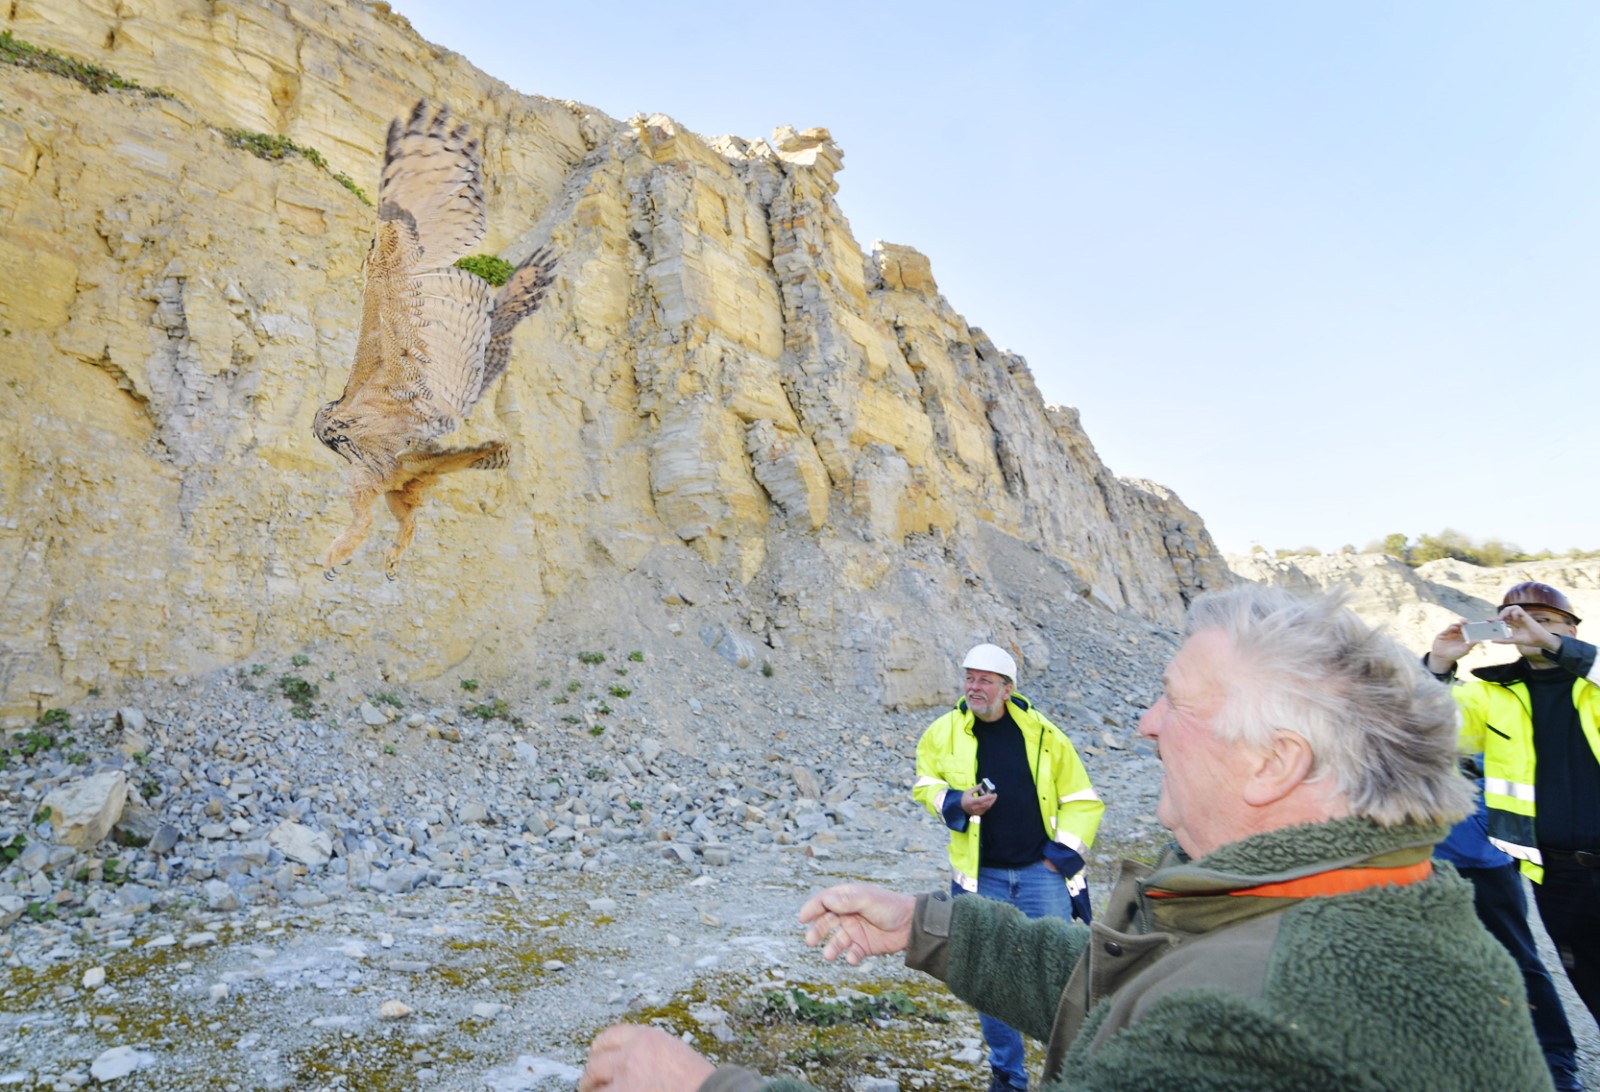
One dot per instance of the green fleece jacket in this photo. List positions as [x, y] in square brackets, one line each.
[1386, 987]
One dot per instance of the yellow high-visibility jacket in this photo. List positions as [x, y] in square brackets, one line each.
[1497, 722]
[947, 761]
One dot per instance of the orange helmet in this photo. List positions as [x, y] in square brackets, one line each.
[1531, 593]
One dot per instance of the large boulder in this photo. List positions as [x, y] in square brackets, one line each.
[312, 848]
[83, 812]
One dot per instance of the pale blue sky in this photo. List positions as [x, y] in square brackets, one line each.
[1327, 269]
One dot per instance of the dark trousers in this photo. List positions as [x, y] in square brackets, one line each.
[1569, 906]
[1503, 908]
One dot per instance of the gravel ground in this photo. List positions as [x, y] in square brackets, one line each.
[374, 887]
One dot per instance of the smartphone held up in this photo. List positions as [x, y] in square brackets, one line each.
[1485, 631]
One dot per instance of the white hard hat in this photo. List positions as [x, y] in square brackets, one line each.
[991, 658]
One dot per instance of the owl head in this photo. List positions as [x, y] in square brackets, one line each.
[334, 432]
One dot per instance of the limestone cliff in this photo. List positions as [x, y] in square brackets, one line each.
[724, 392]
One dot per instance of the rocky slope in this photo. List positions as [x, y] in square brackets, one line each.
[728, 409]
[453, 886]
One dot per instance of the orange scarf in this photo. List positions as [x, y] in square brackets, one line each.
[1337, 881]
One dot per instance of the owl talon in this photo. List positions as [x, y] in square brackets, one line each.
[329, 574]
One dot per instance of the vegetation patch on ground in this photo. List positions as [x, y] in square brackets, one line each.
[895, 1028]
[387, 1063]
[300, 693]
[49, 732]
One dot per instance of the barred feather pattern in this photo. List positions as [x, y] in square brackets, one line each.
[433, 337]
[518, 298]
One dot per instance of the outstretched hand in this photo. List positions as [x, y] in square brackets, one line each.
[631, 1058]
[857, 920]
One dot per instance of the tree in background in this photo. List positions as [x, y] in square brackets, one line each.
[1450, 543]
[1395, 545]
[1447, 543]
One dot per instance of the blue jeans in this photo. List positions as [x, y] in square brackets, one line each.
[1038, 893]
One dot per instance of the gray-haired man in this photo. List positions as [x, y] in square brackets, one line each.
[1296, 936]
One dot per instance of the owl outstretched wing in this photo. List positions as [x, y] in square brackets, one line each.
[444, 362]
[430, 212]
[518, 298]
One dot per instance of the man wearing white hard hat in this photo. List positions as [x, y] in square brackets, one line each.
[1020, 809]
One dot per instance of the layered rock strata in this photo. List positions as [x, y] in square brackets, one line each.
[724, 389]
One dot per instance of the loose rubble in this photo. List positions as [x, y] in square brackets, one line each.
[458, 891]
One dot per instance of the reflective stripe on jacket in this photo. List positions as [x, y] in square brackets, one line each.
[947, 761]
[1497, 721]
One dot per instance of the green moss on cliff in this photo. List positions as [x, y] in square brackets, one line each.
[271, 146]
[494, 270]
[15, 51]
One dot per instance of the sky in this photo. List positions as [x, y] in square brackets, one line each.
[1328, 269]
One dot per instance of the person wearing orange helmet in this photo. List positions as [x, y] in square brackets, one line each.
[1536, 722]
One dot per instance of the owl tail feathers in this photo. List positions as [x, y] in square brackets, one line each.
[496, 456]
[518, 298]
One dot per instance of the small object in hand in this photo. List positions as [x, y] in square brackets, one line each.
[985, 787]
[1485, 631]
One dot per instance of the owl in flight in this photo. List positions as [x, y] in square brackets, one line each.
[433, 337]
